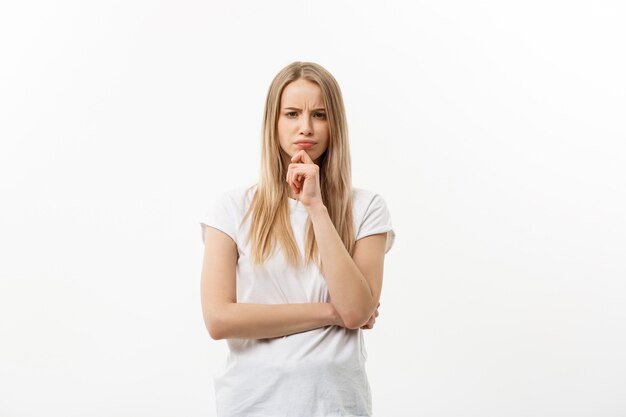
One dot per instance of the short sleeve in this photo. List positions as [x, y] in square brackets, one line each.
[221, 215]
[377, 220]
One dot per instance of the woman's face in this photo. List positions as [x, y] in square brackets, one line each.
[302, 122]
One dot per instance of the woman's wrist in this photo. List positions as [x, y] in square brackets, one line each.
[317, 210]
[334, 319]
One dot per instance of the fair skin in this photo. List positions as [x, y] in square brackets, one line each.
[303, 118]
[354, 283]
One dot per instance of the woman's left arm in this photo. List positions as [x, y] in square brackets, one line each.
[354, 283]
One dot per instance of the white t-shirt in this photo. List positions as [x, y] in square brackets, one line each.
[315, 373]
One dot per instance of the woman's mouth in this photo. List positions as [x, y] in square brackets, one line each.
[305, 144]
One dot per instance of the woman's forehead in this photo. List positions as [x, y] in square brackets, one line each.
[302, 92]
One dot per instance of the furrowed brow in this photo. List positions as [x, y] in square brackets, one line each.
[299, 109]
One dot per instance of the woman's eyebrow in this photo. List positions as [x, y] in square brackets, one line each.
[296, 108]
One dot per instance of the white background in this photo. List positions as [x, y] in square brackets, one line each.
[493, 129]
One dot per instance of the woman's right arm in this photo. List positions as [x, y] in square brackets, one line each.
[226, 319]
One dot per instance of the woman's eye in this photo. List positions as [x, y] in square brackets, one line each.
[320, 115]
[292, 114]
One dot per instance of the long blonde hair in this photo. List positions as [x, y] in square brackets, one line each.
[269, 207]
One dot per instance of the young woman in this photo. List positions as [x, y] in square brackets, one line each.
[293, 265]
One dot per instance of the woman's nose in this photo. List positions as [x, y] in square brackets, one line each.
[305, 126]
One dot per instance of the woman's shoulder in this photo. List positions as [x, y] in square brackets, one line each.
[371, 215]
[362, 198]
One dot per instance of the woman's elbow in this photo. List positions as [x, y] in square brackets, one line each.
[215, 333]
[216, 327]
[354, 320]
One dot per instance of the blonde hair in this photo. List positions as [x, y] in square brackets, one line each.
[269, 208]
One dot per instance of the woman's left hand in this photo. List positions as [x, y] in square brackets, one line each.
[304, 179]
